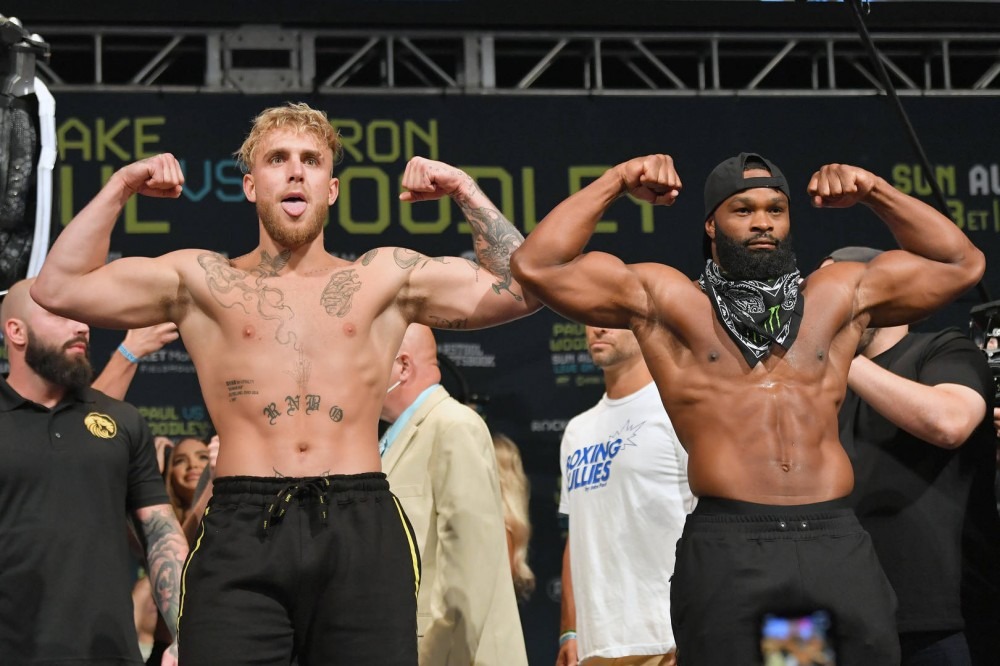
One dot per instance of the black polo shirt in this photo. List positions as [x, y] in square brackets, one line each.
[921, 503]
[69, 476]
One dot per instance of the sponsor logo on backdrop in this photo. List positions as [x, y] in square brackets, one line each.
[571, 362]
[177, 420]
[467, 354]
[972, 192]
[376, 153]
[176, 361]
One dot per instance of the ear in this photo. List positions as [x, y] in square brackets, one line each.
[249, 189]
[405, 366]
[334, 190]
[15, 331]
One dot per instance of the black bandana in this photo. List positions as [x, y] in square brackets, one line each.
[756, 314]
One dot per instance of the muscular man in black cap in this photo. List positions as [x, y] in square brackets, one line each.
[751, 363]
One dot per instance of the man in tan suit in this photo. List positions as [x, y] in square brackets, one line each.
[439, 458]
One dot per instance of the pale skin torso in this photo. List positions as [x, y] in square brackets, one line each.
[293, 366]
[293, 346]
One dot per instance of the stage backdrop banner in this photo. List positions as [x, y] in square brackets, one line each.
[528, 154]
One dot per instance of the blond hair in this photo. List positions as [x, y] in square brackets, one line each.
[296, 116]
[514, 490]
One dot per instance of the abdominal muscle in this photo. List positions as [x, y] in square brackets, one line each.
[277, 427]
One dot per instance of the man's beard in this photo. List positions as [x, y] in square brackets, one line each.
[53, 365]
[290, 236]
[739, 262]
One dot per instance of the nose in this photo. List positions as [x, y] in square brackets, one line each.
[761, 221]
[296, 171]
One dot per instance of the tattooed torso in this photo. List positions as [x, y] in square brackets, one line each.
[294, 364]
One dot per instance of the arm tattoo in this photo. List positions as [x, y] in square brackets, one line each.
[337, 295]
[230, 287]
[408, 258]
[441, 322]
[166, 551]
[494, 239]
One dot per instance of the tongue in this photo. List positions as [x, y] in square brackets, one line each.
[294, 208]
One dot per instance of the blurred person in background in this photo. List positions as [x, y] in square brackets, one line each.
[515, 492]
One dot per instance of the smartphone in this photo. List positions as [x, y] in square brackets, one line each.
[797, 639]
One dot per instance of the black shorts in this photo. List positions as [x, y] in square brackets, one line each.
[323, 570]
[738, 561]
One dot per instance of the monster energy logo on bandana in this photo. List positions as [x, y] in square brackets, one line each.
[755, 313]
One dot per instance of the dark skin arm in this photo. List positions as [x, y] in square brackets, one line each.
[940, 262]
[595, 287]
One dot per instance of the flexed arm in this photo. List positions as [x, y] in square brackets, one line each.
[940, 262]
[596, 288]
[451, 293]
[129, 293]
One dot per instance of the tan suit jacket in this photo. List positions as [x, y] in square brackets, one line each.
[442, 467]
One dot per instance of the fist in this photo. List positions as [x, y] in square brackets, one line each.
[157, 176]
[651, 178]
[840, 186]
[427, 180]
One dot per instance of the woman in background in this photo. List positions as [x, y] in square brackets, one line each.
[514, 490]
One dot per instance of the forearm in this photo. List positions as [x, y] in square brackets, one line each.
[920, 228]
[930, 413]
[567, 615]
[494, 237]
[564, 233]
[166, 551]
[116, 376]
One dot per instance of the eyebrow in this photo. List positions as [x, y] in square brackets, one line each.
[748, 200]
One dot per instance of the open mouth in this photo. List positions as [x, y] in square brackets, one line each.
[294, 205]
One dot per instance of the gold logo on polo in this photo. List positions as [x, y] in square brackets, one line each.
[100, 425]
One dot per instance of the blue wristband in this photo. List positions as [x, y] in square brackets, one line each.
[123, 350]
[566, 636]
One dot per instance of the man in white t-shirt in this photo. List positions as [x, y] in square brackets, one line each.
[625, 489]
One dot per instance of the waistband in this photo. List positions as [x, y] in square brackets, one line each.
[265, 487]
[716, 514]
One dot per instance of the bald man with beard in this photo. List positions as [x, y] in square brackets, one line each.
[440, 461]
[73, 462]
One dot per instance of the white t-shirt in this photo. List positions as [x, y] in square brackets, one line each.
[626, 492]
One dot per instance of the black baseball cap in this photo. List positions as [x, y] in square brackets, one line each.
[727, 179]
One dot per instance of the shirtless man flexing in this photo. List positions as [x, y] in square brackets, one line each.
[303, 550]
[752, 368]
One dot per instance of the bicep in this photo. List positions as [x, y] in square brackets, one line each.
[456, 293]
[595, 288]
[898, 287]
[126, 293]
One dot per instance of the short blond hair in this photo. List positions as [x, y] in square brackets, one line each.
[296, 116]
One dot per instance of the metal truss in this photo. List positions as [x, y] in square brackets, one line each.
[262, 59]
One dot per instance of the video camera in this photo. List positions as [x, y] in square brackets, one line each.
[984, 329]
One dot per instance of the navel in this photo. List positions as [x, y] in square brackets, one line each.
[248, 331]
